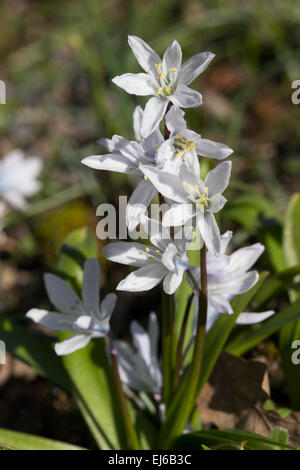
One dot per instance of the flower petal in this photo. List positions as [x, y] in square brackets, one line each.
[90, 288]
[217, 179]
[247, 318]
[62, 296]
[110, 161]
[244, 258]
[72, 344]
[194, 66]
[139, 84]
[153, 113]
[141, 341]
[169, 257]
[220, 303]
[144, 54]
[143, 278]
[52, 320]
[209, 231]
[211, 149]
[172, 59]
[138, 203]
[184, 97]
[175, 121]
[167, 184]
[172, 281]
[137, 122]
[217, 202]
[107, 305]
[178, 214]
[130, 253]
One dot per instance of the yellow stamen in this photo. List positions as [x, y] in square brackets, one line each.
[158, 66]
[161, 75]
[206, 189]
[187, 186]
[147, 249]
[145, 177]
[179, 154]
[159, 90]
[173, 69]
[157, 251]
[197, 188]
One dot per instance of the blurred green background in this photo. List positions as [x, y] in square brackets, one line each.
[58, 59]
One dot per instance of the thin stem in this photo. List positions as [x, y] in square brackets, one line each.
[181, 342]
[168, 348]
[132, 439]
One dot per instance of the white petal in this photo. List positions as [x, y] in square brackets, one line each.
[217, 202]
[139, 84]
[130, 253]
[137, 122]
[138, 203]
[178, 214]
[211, 149]
[244, 258]
[174, 120]
[143, 278]
[225, 239]
[169, 257]
[210, 232]
[153, 332]
[167, 184]
[172, 58]
[72, 344]
[108, 144]
[184, 97]
[239, 284]
[52, 320]
[141, 341]
[153, 113]
[194, 66]
[111, 162]
[90, 288]
[144, 54]
[247, 318]
[172, 281]
[220, 303]
[61, 294]
[107, 305]
[217, 179]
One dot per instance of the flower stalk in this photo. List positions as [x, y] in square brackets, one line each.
[131, 435]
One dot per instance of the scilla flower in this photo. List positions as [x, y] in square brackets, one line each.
[165, 79]
[18, 178]
[85, 318]
[196, 199]
[139, 367]
[229, 275]
[165, 260]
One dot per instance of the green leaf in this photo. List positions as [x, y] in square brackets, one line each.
[291, 332]
[253, 334]
[279, 435]
[89, 368]
[23, 441]
[37, 351]
[232, 440]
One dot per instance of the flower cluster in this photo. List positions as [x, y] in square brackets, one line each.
[167, 163]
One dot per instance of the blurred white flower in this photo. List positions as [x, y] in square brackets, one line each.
[18, 178]
[85, 318]
[229, 275]
[165, 79]
[139, 367]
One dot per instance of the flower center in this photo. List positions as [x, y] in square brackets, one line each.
[200, 199]
[183, 145]
[166, 81]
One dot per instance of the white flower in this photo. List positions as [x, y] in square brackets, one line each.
[166, 260]
[139, 367]
[186, 141]
[18, 178]
[165, 79]
[82, 317]
[229, 275]
[127, 156]
[195, 199]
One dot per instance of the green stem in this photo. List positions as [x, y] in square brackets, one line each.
[186, 395]
[168, 348]
[178, 364]
[131, 435]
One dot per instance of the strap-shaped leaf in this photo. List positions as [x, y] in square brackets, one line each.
[22, 441]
